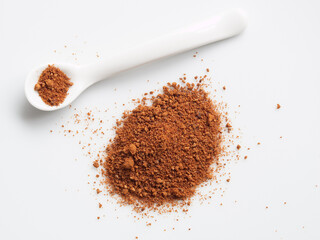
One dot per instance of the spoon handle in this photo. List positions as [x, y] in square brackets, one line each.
[219, 27]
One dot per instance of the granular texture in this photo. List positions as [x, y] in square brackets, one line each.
[53, 86]
[162, 152]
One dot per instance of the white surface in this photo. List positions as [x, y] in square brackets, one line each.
[216, 28]
[44, 191]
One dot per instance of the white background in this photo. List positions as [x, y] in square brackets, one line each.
[44, 192]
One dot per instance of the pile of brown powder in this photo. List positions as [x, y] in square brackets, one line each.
[162, 152]
[53, 86]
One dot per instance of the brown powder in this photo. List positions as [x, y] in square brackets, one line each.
[96, 164]
[128, 163]
[53, 86]
[162, 152]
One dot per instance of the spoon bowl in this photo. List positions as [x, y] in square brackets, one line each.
[71, 70]
[224, 25]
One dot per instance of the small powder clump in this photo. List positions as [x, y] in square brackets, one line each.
[128, 163]
[96, 164]
[162, 152]
[53, 86]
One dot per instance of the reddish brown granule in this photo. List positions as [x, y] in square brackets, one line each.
[224, 88]
[53, 86]
[278, 106]
[238, 147]
[162, 152]
[96, 164]
[229, 127]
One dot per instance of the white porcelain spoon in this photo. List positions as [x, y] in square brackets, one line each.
[219, 27]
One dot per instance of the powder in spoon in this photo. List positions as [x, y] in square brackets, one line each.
[53, 86]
